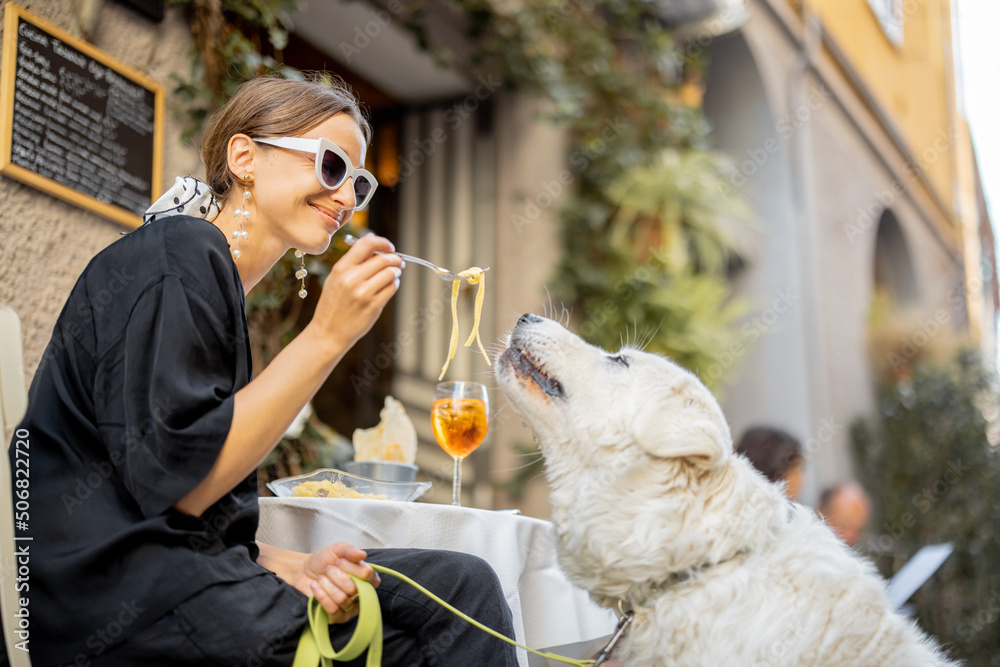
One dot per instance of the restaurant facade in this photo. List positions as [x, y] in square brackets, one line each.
[843, 121]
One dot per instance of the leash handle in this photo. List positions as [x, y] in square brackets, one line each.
[315, 647]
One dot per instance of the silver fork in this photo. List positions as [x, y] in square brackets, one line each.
[442, 273]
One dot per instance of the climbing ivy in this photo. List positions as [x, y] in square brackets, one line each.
[647, 202]
[231, 38]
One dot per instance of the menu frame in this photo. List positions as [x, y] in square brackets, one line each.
[13, 15]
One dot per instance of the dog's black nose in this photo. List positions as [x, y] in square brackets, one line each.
[529, 318]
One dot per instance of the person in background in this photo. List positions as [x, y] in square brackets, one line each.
[845, 508]
[777, 455]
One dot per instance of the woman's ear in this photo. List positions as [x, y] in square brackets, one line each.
[240, 154]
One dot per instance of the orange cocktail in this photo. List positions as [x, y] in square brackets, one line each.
[459, 424]
[459, 417]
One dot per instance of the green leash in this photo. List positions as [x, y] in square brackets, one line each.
[315, 647]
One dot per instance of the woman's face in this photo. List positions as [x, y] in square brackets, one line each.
[289, 199]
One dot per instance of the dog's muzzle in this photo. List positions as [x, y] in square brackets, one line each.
[524, 366]
[520, 360]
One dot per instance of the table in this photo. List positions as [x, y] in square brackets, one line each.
[547, 609]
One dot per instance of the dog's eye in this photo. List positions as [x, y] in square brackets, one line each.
[620, 360]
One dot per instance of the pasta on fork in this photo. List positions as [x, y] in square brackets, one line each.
[473, 276]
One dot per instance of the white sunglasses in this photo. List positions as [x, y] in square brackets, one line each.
[333, 167]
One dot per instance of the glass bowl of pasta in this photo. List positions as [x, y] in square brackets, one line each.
[332, 483]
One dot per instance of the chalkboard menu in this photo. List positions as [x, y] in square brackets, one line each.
[76, 123]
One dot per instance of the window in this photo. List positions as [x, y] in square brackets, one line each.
[890, 15]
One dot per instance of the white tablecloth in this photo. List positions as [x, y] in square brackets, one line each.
[547, 609]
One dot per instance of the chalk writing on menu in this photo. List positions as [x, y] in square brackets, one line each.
[81, 123]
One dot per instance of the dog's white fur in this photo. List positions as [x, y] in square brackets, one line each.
[645, 487]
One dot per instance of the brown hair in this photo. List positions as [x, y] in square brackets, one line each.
[272, 107]
[771, 451]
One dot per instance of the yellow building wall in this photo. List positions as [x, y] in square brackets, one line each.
[968, 213]
[912, 82]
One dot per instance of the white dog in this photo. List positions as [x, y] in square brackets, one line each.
[655, 511]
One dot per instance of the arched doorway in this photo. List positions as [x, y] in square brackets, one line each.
[772, 385]
[894, 273]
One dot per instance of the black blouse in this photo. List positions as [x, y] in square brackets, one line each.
[127, 412]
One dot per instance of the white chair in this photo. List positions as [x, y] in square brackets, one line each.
[13, 403]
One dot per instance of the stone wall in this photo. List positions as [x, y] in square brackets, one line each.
[817, 168]
[46, 243]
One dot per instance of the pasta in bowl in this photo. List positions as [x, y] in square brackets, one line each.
[332, 483]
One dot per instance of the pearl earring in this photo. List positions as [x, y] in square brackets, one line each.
[301, 274]
[244, 215]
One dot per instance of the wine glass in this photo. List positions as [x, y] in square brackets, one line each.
[459, 416]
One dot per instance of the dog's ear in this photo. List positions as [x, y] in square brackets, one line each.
[683, 428]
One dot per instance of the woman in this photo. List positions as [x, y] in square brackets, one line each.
[145, 430]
